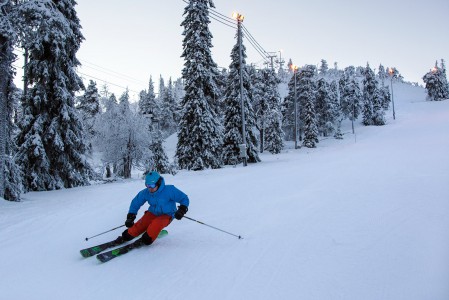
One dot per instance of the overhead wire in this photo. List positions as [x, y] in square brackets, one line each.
[109, 71]
[215, 15]
[230, 22]
[107, 82]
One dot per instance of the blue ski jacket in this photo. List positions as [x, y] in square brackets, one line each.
[162, 202]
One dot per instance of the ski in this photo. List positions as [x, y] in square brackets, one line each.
[108, 255]
[91, 251]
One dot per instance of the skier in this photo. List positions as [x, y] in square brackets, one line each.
[162, 199]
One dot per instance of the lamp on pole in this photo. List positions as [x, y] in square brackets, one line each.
[391, 73]
[239, 19]
[295, 101]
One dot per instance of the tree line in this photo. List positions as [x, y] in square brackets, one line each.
[49, 136]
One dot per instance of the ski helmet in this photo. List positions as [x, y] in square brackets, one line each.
[152, 179]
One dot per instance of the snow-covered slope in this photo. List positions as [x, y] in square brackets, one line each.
[362, 218]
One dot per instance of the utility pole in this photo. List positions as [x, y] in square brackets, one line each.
[391, 73]
[295, 69]
[240, 18]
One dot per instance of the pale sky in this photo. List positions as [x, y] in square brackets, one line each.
[127, 41]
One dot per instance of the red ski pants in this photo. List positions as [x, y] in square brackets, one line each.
[150, 223]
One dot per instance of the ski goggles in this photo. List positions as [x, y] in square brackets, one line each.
[151, 186]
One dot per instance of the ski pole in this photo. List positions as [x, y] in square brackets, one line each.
[104, 232]
[240, 237]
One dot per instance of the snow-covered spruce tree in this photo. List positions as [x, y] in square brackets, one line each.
[436, 83]
[288, 109]
[334, 99]
[200, 132]
[10, 174]
[307, 97]
[147, 101]
[259, 103]
[378, 109]
[161, 91]
[373, 112]
[169, 111]
[13, 175]
[350, 94]
[52, 146]
[326, 108]
[233, 115]
[322, 71]
[382, 74]
[89, 108]
[385, 97]
[8, 36]
[159, 159]
[274, 135]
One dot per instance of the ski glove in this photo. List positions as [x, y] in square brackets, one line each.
[182, 209]
[130, 220]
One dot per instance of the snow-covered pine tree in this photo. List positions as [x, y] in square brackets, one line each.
[159, 159]
[89, 108]
[323, 68]
[385, 97]
[259, 103]
[178, 90]
[161, 91]
[369, 90]
[200, 132]
[436, 83]
[13, 175]
[10, 174]
[307, 97]
[373, 112]
[233, 115]
[350, 94]
[8, 36]
[378, 110]
[52, 146]
[334, 99]
[274, 135]
[382, 74]
[125, 119]
[147, 102]
[288, 108]
[322, 96]
[326, 108]
[89, 104]
[169, 116]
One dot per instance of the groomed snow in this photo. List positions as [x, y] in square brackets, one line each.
[366, 217]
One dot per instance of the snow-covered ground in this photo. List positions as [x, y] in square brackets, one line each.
[366, 217]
